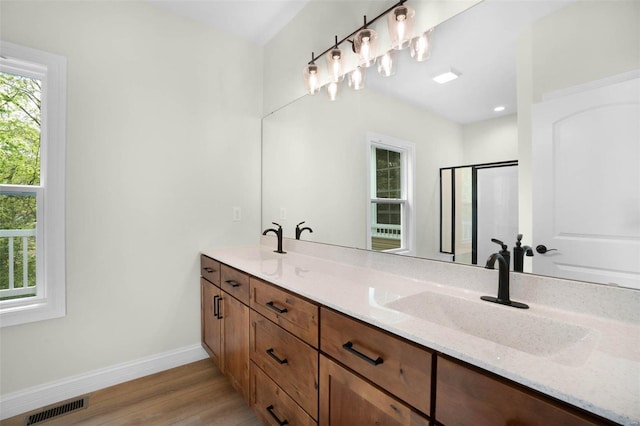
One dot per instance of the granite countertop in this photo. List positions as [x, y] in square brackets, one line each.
[589, 361]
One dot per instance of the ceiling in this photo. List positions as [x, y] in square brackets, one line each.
[254, 20]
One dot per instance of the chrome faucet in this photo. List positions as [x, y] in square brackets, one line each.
[503, 277]
[278, 233]
[519, 252]
[300, 230]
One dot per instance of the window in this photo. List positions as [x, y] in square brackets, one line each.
[391, 214]
[32, 158]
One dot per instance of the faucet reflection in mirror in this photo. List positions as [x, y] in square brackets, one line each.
[299, 230]
[400, 20]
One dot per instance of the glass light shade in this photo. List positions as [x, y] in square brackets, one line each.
[365, 44]
[312, 78]
[356, 79]
[386, 63]
[420, 48]
[400, 22]
[335, 65]
[333, 89]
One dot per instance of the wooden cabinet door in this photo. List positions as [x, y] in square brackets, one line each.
[466, 396]
[346, 399]
[211, 324]
[235, 343]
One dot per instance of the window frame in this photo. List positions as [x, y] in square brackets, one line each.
[50, 299]
[407, 200]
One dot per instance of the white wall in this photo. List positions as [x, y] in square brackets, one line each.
[489, 141]
[163, 139]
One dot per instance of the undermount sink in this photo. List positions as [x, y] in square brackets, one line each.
[510, 327]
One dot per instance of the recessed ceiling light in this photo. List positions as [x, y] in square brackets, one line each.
[499, 108]
[446, 77]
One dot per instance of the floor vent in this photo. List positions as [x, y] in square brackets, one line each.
[59, 410]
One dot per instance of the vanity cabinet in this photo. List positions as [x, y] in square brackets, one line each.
[297, 362]
[466, 395]
[225, 321]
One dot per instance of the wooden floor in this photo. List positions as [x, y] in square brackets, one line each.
[194, 394]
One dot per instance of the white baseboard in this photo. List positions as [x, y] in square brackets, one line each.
[49, 393]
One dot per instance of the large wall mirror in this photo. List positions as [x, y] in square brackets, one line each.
[567, 76]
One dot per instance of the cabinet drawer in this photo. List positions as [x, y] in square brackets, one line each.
[272, 405]
[287, 360]
[291, 312]
[467, 396]
[401, 368]
[235, 282]
[210, 269]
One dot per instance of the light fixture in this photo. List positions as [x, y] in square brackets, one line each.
[365, 45]
[446, 76]
[333, 88]
[499, 108]
[356, 78]
[364, 41]
[335, 64]
[312, 77]
[400, 22]
[420, 47]
[386, 64]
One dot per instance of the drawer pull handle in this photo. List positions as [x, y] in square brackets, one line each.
[218, 314]
[280, 422]
[349, 347]
[272, 355]
[232, 283]
[209, 270]
[275, 308]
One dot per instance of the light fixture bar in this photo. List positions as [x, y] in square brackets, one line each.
[366, 24]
